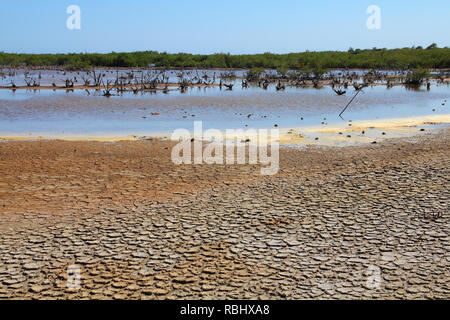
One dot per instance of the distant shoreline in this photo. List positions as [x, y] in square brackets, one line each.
[56, 68]
[405, 58]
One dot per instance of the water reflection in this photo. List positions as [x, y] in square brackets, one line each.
[87, 112]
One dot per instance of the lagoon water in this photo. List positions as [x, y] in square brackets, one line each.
[60, 113]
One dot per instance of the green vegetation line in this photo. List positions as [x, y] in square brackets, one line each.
[406, 58]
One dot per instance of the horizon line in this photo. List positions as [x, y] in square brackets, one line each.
[225, 53]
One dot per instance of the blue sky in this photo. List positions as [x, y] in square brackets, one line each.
[200, 26]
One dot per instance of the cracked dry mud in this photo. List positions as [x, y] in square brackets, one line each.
[139, 227]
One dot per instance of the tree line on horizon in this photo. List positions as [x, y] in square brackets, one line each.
[405, 58]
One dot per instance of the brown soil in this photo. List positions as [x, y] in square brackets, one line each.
[140, 227]
[56, 175]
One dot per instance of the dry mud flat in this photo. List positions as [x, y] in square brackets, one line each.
[351, 223]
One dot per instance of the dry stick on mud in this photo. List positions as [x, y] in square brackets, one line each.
[228, 86]
[68, 83]
[97, 80]
[107, 90]
[85, 80]
[339, 92]
[28, 82]
[357, 92]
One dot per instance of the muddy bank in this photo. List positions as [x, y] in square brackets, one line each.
[139, 227]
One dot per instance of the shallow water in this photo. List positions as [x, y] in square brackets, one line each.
[47, 77]
[62, 113]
